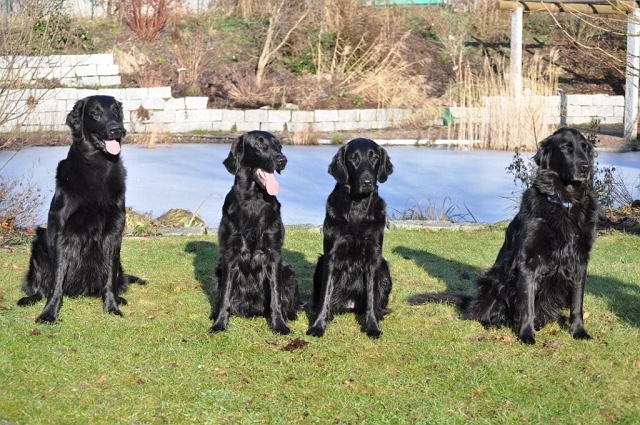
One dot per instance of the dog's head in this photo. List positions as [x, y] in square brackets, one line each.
[361, 164]
[97, 122]
[260, 154]
[567, 153]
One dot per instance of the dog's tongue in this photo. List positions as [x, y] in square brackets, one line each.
[269, 181]
[112, 146]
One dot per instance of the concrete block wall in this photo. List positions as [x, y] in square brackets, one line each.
[570, 109]
[69, 70]
[154, 110]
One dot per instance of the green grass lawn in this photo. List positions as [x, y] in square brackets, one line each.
[159, 364]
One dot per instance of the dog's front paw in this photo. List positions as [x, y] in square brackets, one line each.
[46, 317]
[281, 328]
[218, 326]
[122, 301]
[316, 331]
[580, 334]
[115, 310]
[373, 332]
[527, 338]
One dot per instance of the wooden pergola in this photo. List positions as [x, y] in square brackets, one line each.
[590, 7]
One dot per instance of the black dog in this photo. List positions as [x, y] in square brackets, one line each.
[79, 251]
[352, 275]
[253, 279]
[542, 265]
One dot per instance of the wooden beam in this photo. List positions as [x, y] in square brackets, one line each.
[617, 7]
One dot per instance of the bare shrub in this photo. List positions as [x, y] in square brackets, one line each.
[280, 26]
[151, 77]
[20, 202]
[243, 91]
[452, 30]
[191, 51]
[146, 17]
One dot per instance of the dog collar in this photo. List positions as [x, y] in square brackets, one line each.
[564, 204]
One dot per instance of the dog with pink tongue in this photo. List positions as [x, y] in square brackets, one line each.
[252, 277]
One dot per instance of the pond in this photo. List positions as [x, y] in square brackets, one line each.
[473, 183]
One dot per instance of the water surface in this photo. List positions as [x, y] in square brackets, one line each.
[192, 176]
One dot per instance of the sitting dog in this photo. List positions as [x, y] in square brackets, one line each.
[352, 275]
[542, 265]
[253, 279]
[79, 251]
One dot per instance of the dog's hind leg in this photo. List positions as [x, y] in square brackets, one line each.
[38, 277]
[60, 267]
[135, 279]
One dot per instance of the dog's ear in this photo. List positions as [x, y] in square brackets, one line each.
[338, 168]
[386, 167]
[74, 118]
[541, 158]
[232, 163]
[120, 111]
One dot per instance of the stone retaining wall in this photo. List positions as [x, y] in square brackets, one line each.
[155, 110]
[569, 109]
[65, 70]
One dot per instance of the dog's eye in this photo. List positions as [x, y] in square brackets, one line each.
[96, 114]
[584, 146]
[569, 147]
[374, 157]
[259, 145]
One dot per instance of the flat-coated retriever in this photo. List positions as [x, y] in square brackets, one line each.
[79, 251]
[352, 275]
[253, 279]
[542, 265]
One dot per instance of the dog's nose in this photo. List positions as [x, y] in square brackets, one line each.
[281, 162]
[584, 167]
[367, 184]
[115, 130]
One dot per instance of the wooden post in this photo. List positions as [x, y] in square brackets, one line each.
[516, 51]
[632, 76]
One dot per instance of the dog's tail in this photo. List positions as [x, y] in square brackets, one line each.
[459, 300]
[135, 279]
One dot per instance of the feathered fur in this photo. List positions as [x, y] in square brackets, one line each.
[253, 279]
[79, 251]
[542, 265]
[352, 275]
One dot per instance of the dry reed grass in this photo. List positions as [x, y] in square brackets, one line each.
[130, 59]
[148, 139]
[306, 135]
[496, 117]
[368, 57]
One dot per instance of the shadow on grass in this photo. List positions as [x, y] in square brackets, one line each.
[622, 298]
[205, 261]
